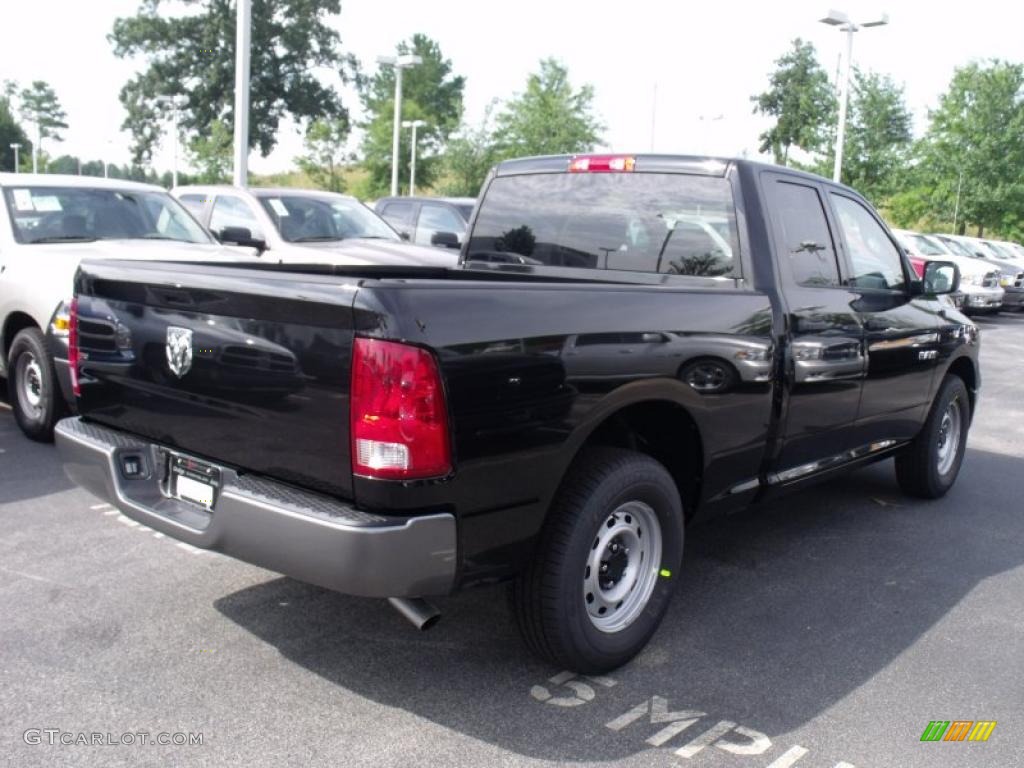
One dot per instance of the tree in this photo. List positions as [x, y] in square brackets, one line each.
[191, 60]
[323, 161]
[41, 107]
[468, 157]
[212, 153]
[549, 117]
[877, 147]
[977, 135]
[11, 133]
[430, 92]
[800, 99]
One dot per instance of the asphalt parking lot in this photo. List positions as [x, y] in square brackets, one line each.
[823, 631]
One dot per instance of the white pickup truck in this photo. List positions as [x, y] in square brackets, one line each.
[48, 224]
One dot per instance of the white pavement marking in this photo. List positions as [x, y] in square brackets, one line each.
[127, 521]
[189, 548]
[759, 743]
[789, 758]
[112, 512]
[157, 535]
[42, 579]
[99, 506]
[709, 736]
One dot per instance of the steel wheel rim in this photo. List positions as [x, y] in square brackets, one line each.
[30, 379]
[949, 437]
[622, 567]
[706, 377]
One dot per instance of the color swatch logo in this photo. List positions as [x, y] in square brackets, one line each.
[958, 730]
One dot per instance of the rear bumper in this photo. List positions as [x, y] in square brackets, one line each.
[310, 537]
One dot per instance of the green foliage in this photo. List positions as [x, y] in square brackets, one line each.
[549, 117]
[323, 161]
[11, 132]
[41, 107]
[877, 149]
[977, 132]
[211, 154]
[430, 92]
[191, 59]
[469, 156]
[800, 99]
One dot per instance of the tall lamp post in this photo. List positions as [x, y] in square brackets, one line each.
[16, 147]
[841, 20]
[243, 32]
[414, 124]
[404, 61]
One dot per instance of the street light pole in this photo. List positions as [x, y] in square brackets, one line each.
[399, 63]
[174, 163]
[841, 20]
[414, 124]
[16, 147]
[242, 37]
[35, 148]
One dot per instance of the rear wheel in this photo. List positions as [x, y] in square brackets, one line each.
[32, 386]
[606, 564]
[930, 465]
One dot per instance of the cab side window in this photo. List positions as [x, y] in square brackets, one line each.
[875, 260]
[194, 203]
[805, 242]
[231, 211]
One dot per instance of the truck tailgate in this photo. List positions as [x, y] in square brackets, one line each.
[243, 367]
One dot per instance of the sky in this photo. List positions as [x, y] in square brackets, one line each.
[675, 77]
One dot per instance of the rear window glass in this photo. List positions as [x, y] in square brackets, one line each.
[639, 222]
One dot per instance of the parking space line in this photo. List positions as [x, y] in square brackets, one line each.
[790, 757]
[127, 521]
[99, 506]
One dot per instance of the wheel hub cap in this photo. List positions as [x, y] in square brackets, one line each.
[948, 444]
[622, 567]
[31, 383]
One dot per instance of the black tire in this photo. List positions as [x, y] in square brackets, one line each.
[920, 469]
[549, 601]
[36, 413]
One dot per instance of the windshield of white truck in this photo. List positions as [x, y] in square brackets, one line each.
[309, 219]
[80, 214]
[641, 222]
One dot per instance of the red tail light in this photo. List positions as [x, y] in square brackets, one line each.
[73, 356]
[399, 418]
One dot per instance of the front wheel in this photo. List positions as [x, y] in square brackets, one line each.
[929, 466]
[32, 386]
[606, 564]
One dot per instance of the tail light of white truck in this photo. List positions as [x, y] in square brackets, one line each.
[73, 355]
[399, 419]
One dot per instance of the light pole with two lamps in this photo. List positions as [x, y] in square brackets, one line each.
[841, 20]
[414, 124]
[399, 63]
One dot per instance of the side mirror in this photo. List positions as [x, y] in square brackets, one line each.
[241, 236]
[650, 337]
[445, 240]
[941, 277]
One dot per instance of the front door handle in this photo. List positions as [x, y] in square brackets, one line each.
[815, 361]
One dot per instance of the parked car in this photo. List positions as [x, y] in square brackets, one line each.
[437, 221]
[297, 226]
[1011, 274]
[979, 281]
[48, 223]
[445, 437]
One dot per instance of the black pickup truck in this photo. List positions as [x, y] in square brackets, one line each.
[628, 344]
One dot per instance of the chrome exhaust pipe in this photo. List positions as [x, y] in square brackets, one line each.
[420, 613]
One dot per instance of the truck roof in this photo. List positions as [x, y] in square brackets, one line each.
[70, 180]
[704, 165]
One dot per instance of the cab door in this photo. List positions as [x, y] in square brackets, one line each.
[825, 361]
[901, 329]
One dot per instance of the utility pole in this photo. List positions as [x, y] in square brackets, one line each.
[414, 124]
[243, 34]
